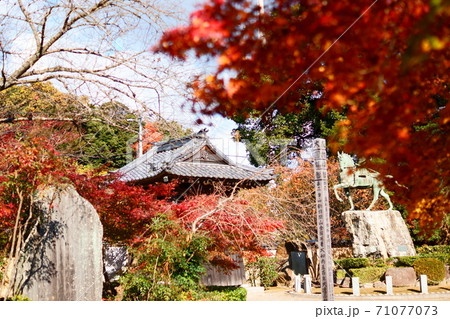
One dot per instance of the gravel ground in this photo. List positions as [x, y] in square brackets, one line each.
[406, 294]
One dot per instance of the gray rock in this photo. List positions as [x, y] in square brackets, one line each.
[402, 277]
[64, 258]
[379, 284]
[345, 282]
[378, 234]
[115, 261]
[368, 285]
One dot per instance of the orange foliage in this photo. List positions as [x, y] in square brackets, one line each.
[293, 201]
[28, 161]
[151, 135]
[386, 62]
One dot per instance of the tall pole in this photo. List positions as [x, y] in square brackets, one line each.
[140, 149]
[323, 219]
[261, 4]
[261, 11]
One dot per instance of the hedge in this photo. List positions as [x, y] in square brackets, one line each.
[445, 258]
[405, 261]
[348, 263]
[340, 274]
[369, 274]
[431, 261]
[377, 263]
[432, 267]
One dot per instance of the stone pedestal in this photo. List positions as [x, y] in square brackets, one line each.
[378, 234]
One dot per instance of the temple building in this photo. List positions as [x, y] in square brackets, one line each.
[199, 167]
[196, 163]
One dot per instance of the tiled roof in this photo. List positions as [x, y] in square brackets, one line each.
[180, 157]
[217, 171]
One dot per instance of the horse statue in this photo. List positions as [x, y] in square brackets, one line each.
[361, 178]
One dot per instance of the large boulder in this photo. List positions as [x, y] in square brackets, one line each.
[63, 260]
[378, 234]
[402, 277]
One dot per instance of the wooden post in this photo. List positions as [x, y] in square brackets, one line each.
[323, 219]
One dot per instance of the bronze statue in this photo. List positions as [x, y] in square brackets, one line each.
[352, 177]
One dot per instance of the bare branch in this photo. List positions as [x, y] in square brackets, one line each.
[30, 23]
[102, 42]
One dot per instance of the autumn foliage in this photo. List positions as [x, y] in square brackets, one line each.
[234, 226]
[29, 161]
[292, 200]
[125, 210]
[385, 62]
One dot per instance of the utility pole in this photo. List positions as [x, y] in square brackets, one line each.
[323, 219]
[140, 148]
[261, 4]
[140, 151]
[261, 11]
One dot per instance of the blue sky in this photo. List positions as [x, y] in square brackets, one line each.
[219, 128]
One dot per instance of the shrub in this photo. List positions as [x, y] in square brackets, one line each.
[225, 294]
[445, 258]
[267, 271]
[406, 261]
[340, 274]
[18, 298]
[264, 268]
[432, 267]
[377, 263]
[390, 261]
[441, 252]
[168, 264]
[438, 249]
[348, 263]
[1, 269]
[369, 274]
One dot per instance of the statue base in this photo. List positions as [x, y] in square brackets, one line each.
[378, 234]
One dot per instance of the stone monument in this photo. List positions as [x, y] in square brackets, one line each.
[378, 234]
[63, 260]
[375, 234]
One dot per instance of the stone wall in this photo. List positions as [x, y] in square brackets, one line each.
[64, 258]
